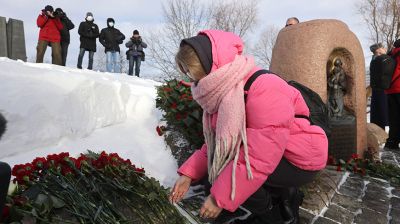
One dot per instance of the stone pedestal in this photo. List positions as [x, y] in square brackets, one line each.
[305, 53]
[342, 141]
[3, 37]
[16, 39]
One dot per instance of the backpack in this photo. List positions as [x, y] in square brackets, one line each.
[382, 69]
[318, 109]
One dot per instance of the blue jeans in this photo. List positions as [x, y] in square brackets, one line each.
[80, 58]
[112, 58]
[132, 61]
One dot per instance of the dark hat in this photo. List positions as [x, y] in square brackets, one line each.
[135, 32]
[110, 20]
[89, 14]
[48, 8]
[202, 45]
[375, 47]
[59, 10]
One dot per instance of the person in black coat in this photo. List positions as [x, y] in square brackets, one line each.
[111, 38]
[379, 114]
[5, 170]
[88, 32]
[65, 37]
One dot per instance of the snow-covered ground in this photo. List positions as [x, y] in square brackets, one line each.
[52, 109]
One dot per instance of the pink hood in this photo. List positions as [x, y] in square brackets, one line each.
[272, 131]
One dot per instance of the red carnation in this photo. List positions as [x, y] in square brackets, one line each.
[339, 168]
[187, 84]
[159, 131]
[5, 214]
[331, 160]
[39, 163]
[173, 105]
[354, 156]
[167, 89]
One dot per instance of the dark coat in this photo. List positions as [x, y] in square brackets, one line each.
[135, 47]
[67, 26]
[111, 38]
[88, 31]
[379, 111]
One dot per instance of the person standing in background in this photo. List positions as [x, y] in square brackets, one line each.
[135, 53]
[379, 104]
[65, 36]
[88, 32]
[111, 38]
[49, 34]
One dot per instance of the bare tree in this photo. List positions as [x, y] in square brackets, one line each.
[184, 18]
[235, 16]
[383, 20]
[262, 50]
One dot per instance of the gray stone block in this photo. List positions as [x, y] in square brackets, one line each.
[346, 202]
[16, 39]
[3, 37]
[339, 214]
[369, 215]
[322, 220]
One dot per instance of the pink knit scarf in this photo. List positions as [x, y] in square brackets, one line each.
[222, 92]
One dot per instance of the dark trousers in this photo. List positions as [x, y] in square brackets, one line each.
[64, 52]
[286, 176]
[379, 108]
[132, 61]
[394, 118]
[55, 54]
[5, 176]
[80, 58]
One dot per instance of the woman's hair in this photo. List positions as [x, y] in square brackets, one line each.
[187, 56]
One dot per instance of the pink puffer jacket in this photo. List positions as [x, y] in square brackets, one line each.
[272, 131]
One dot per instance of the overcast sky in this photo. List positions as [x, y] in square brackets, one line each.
[145, 15]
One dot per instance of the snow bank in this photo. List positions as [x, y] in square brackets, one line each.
[51, 109]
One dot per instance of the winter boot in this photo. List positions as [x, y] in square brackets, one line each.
[392, 144]
[291, 199]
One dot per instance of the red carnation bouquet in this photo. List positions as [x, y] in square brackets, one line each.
[93, 188]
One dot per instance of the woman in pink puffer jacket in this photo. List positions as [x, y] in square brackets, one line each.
[250, 145]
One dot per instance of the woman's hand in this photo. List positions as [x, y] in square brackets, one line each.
[210, 209]
[180, 189]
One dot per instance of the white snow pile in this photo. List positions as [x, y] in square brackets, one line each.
[52, 109]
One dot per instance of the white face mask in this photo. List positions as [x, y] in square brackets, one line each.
[111, 24]
[89, 18]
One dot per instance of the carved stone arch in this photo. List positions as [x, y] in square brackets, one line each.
[305, 51]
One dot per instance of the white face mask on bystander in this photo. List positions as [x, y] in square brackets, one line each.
[111, 24]
[89, 18]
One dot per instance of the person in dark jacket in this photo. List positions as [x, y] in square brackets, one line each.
[65, 37]
[135, 53]
[111, 38]
[49, 34]
[379, 104]
[5, 170]
[88, 32]
[393, 96]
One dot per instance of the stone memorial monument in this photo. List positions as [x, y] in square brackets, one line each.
[327, 57]
[12, 39]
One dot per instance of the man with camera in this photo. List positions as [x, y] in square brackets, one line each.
[49, 34]
[88, 32]
[135, 53]
[65, 37]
